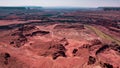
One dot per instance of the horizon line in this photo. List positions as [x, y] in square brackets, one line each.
[58, 6]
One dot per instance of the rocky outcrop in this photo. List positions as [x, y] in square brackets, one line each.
[40, 33]
[56, 51]
[21, 35]
[106, 65]
[52, 49]
[91, 60]
[95, 51]
[9, 61]
[101, 49]
[5, 57]
[26, 28]
[19, 41]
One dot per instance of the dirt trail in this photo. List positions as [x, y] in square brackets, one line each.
[102, 34]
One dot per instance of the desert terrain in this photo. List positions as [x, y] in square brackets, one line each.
[64, 38]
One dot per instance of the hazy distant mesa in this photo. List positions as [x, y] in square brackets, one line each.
[37, 7]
